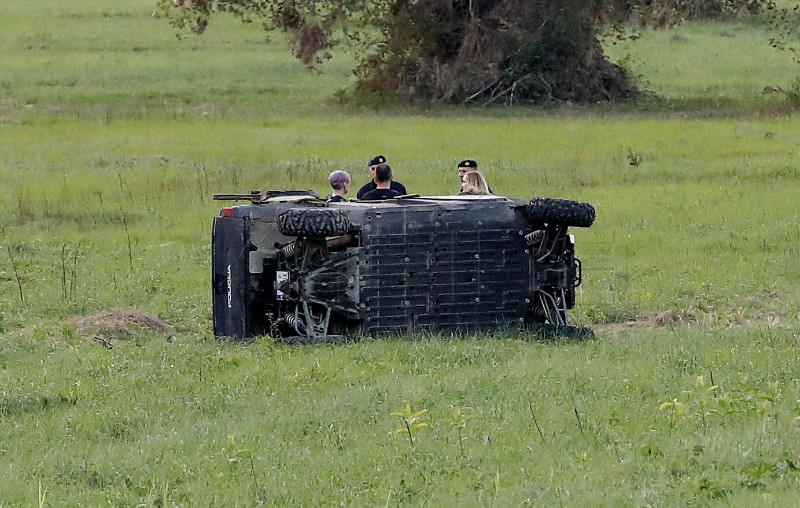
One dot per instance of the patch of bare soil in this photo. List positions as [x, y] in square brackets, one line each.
[616, 329]
[688, 318]
[660, 319]
[705, 311]
[119, 324]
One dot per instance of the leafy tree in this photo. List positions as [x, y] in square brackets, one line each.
[462, 51]
[786, 27]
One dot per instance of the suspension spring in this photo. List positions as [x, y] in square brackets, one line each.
[535, 237]
[289, 249]
[294, 322]
[540, 313]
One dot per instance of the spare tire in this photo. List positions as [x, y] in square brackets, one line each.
[313, 222]
[561, 211]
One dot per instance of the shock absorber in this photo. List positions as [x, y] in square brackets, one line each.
[295, 322]
[540, 314]
[290, 249]
[535, 237]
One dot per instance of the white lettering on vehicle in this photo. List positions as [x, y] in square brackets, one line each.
[230, 287]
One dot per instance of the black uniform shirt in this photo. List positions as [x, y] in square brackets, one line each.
[378, 194]
[370, 186]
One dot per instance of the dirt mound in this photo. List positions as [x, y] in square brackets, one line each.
[689, 318]
[119, 324]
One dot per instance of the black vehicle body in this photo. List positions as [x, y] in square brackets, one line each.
[292, 266]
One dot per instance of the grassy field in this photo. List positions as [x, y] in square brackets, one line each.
[114, 135]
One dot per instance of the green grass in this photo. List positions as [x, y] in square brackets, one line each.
[114, 136]
[90, 58]
[707, 68]
[201, 423]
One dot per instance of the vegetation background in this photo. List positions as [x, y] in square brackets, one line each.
[114, 134]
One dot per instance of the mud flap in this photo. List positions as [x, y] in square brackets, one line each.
[229, 277]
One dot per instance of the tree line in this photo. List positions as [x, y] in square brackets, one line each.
[477, 51]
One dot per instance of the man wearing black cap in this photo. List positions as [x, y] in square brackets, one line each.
[465, 167]
[372, 184]
[383, 182]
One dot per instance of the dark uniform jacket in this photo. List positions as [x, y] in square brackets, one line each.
[370, 186]
[378, 194]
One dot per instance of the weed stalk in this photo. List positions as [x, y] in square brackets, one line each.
[577, 416]
[711, 375]
[42, 496]
[204, 188]
[16, 274]
[535, 422]
[410, 435]
[64, 271]
[74, 274]
[255, 476]
[130, 248]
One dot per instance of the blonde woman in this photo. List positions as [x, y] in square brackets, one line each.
[474, 183]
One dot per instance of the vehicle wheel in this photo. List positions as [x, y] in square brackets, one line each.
[302, 340]
[296, 340]
[561, 211]
[313, 222]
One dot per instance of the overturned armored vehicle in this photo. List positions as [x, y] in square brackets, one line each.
[292, 266]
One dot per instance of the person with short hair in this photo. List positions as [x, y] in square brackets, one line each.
[372, 184]
[383, 185]
[474, 184]
[340, 183]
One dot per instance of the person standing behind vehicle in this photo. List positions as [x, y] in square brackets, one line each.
[465, 167]
[372, 184]
[340, 183]
[475, 184]
[383, 184]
